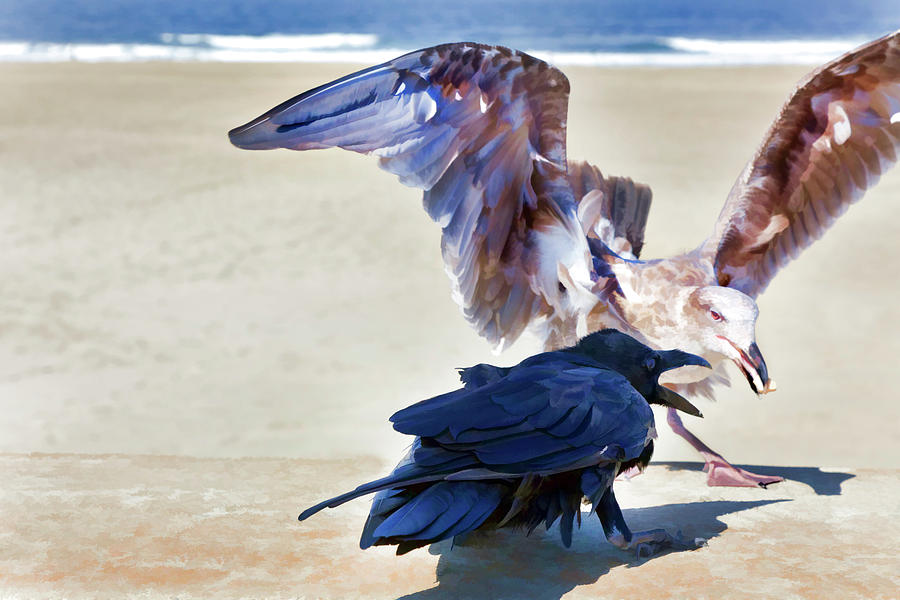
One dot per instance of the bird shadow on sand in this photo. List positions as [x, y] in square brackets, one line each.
[507, 564]
[822, 482]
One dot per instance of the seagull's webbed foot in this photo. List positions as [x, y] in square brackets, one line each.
[720, 471]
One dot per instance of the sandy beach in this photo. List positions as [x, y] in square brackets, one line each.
[162, 292]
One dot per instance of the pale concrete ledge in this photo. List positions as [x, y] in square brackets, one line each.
[80, 526]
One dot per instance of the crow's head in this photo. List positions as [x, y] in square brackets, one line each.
[640, 364]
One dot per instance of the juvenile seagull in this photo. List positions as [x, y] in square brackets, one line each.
[530, 239]
[521, 446]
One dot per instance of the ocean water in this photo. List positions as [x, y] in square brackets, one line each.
[595, 32]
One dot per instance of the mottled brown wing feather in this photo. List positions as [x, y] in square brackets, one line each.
[611, 209]
[839, 131]
[482, 130]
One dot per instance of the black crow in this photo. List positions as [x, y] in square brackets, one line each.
[521, 446]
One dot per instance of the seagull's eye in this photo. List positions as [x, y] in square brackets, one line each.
[650, 364]
[714, 315]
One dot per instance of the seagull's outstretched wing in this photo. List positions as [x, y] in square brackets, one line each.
[836, 135]
[611, 209]
[482, 130]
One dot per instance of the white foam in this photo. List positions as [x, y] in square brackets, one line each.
[275, 42]
[41, 52]
[362, 49]
[93, 52]
[690, 52]
[762, 47]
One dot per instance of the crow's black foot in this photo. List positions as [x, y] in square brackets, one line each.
[649, 543]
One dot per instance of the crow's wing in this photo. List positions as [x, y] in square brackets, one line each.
[545, 418]
[481, 374]
[547, 415]
[482, 129]
[839, 131]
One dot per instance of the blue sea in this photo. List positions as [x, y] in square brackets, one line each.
[595, 32]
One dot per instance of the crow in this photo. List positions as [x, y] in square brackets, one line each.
[521, 446]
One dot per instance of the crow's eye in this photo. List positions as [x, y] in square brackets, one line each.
[714, 315]
[650, 364]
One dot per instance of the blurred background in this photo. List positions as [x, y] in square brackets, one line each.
[163, 292]
[591, 32]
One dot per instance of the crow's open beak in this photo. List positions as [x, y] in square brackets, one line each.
[669, 398]
[673, 359]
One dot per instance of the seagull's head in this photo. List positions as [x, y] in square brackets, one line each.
[727, 325]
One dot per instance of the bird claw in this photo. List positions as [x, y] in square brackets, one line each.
[650, 543]
[640, 548]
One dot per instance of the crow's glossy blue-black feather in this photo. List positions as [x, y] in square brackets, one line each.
[567, 520]
[476, 436]
[550, 409]
[548, 419]
[408, 474]
[516, 386]
[442, 510]
[471, 502]
[384, 503]
[421, 512]
[486, 504]
[480, 374]
[434, 456]
[574, 417]
[595, 481]
[387, 501]
[449, 510]
[554, 509]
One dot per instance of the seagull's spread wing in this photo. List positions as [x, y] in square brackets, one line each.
[611, 209]
[482, 130]
[549, 417]
[832, 140]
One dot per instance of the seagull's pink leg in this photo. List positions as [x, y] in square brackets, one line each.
[720, 471]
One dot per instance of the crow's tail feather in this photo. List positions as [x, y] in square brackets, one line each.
[440, 511]
[404, 475]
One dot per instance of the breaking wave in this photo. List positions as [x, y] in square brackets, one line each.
[364, 48]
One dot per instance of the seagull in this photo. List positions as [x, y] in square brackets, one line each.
[522, 445]
[533, 240]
